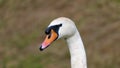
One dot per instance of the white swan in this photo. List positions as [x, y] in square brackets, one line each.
[65, 28]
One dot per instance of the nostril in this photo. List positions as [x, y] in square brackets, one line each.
[49, 36]
[48, 32]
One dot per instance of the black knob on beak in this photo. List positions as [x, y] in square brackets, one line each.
[47, 31]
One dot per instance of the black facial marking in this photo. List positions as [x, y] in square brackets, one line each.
[54, 27]
[47, 31]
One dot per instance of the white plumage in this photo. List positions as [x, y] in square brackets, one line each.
[69, 32]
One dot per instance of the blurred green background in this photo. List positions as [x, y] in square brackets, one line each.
[22, 25]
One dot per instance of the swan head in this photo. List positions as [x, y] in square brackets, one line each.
[59, 28]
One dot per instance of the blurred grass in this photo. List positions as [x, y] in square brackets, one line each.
[22, 25]
[31, 62]
[2, 2]
[118, 1]
[23, 41]
[28, 62]
[2, 24]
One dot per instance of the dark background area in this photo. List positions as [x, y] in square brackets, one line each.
[22, 25]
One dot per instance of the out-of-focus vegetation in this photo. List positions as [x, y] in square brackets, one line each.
[22, 25]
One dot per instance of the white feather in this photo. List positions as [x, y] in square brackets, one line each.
[75, 44]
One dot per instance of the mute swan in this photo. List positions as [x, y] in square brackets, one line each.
[65, 28]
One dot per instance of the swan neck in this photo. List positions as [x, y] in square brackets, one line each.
[77, 52]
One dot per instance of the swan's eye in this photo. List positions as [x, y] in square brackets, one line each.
[54, 27]
[60, 25]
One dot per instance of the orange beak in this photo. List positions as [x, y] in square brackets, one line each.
[49, 39]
